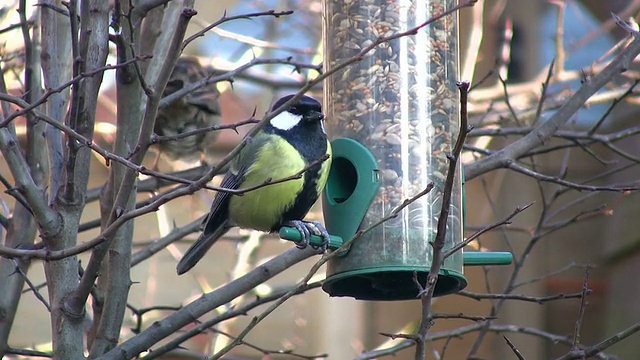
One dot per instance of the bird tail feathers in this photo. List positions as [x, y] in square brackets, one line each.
[200, 247]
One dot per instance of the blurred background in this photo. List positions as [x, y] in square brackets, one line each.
[342, 327]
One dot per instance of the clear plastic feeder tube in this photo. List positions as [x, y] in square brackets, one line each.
[401, 102]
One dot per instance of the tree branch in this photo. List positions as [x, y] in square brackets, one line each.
[209, 301]
[426, 294]
[226, 18]
[507, 155]
[536, 299]
[603, 345]
[117, 284]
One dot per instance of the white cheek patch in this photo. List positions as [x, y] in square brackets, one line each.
[285, 120]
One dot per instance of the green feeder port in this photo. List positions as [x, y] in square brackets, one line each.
[353, 183]
[380, 264]
[469, 258]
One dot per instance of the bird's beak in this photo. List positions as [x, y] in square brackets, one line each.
[314, 116]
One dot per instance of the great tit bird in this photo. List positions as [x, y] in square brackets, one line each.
[198, 109]
[286, 145]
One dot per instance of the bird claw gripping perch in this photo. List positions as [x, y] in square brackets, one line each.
[308, 228]
[320, 230]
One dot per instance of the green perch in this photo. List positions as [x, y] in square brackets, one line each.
[470, 258]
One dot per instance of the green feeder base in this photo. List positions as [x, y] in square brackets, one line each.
[396, 282]
[390, 283]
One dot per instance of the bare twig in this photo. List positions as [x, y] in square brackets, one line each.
[461, 316]
[139, 314]
[527, 298]
[545, 89]
[513, 347]
[426, 293]
[122, 197]
[467, 241]
[256, 320]
[613, 104]
[458, 332]
[560, 53]
[506, 156]
[268, 182]
[29, 107]
[229, 75]
[546, 228]
[266, 352]
[581, 311]
[561, 270]
[162, 138]
[206, 303]
[176, 234]
[152, 183]
[609, 24]
[107, 155]
[249, 40]
[554, 179]
[33, 288]
[28, 353]
[599, 347]
[226, 18]
[229, 314]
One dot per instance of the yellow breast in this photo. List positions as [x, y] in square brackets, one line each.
[260, 209]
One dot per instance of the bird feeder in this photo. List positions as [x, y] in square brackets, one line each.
[393, 117]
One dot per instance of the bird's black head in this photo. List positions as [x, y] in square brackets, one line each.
[301, 125]
[306, 110]
[305, 103]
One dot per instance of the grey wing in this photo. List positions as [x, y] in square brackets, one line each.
[219, 213]
[216, 223]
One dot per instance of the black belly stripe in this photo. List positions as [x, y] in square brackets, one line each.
[305, 199]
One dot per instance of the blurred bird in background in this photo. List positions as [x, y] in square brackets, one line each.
[196, 110]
